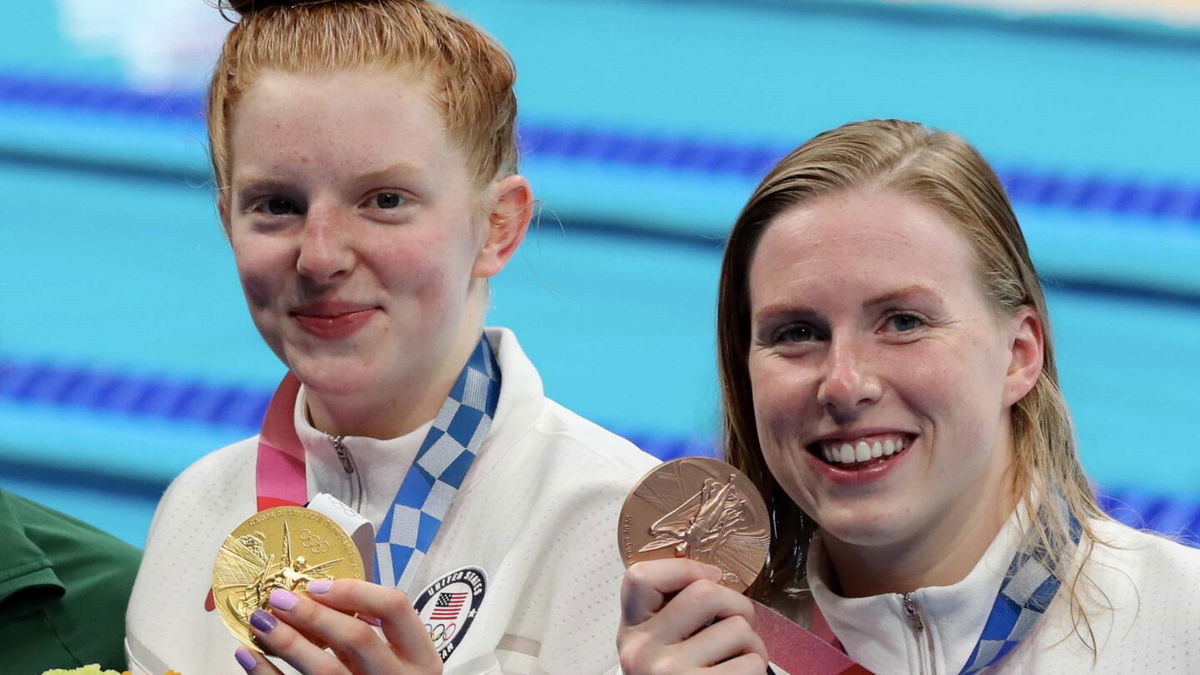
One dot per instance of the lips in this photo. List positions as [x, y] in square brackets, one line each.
[333, 320]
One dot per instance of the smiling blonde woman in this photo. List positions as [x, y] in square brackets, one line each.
[889, 384]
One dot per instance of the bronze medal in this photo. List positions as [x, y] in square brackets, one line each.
[284, 547]
[698, 508]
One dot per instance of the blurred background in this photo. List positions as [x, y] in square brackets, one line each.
[127, 351]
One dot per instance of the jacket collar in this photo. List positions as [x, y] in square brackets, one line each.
[521, 403]
[25, 574]
[878, 633]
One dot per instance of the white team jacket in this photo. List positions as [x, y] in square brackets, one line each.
[537, 514]
[1152, 585]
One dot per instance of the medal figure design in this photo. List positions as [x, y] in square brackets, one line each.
[697, 508]
[284, 547]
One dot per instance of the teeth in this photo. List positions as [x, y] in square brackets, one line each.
[862, 450]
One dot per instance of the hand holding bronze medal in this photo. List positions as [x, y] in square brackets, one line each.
[697, 508]
[283, 547]
[706, 510]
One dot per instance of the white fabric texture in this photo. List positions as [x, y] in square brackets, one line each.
[537, 512]
[1151, 583]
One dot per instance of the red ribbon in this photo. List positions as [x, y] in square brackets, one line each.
[798, 651]
[280, 478]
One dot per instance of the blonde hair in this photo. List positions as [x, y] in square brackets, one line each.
[471, 76]
[945, 172]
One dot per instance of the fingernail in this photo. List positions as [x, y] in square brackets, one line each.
[245, 658]
[714, 572]
[283, 599]
[371, 620]
[262, 620]
[320, 585]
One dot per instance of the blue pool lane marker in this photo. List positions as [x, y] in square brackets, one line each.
[1170, 203]
[133, 395]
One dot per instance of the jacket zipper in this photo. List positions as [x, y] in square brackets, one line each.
[924, 639]
[347, 460]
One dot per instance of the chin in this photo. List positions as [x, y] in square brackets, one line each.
[337, 377]
[863, 525]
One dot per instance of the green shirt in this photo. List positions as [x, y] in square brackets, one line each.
[64, 586]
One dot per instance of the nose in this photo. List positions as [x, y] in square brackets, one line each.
[326, 251]
[848, 384]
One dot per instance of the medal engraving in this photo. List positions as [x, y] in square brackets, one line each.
[284, 547]
[697, 508]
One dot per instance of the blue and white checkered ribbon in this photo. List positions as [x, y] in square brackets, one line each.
[1026, 592]
[438, 470]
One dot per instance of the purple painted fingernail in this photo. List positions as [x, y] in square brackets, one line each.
[262, 620]
[245, 659]
[320, 585]
[283, 599]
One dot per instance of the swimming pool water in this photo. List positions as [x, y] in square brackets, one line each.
[113, 259]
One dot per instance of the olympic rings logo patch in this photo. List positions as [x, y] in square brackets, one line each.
[449, 605]
[441, 632]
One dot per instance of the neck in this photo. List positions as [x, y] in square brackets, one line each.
[400, 408]
[940, 556]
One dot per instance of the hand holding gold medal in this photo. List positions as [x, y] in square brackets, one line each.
[280, 548]
[702, 509]
[289, 582]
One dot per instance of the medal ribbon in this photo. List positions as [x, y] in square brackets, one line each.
[428, 488]
[279, 470]
[1025, 594]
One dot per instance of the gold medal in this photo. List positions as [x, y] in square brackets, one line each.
[698, 508]
[284, 547]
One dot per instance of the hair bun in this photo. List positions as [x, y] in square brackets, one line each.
[246, 7]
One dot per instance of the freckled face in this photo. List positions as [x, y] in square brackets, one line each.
[869, 325]
[352, 218]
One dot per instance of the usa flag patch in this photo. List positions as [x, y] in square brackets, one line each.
[449, 605]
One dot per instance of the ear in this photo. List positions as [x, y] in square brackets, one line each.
[508, 220]
[1026, 355]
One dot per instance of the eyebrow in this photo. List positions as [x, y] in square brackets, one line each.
[781, 309]
[403, 168]
[253, 182]
[788, 309]
[917, 290]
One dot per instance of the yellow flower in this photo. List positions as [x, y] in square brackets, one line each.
[93, 669]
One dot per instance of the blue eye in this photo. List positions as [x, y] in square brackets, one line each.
[389, 200]
[905, 322]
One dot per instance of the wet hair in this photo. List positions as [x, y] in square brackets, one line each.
[942, 171]
[470, 76]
